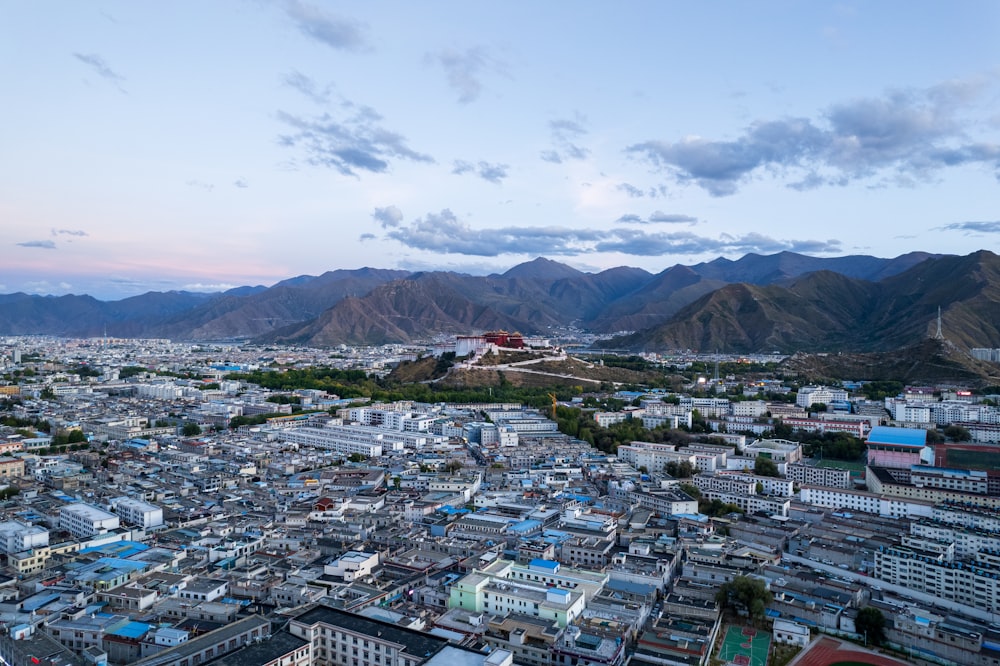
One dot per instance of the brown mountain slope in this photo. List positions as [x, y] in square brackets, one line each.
[826, 311]
[933, 362]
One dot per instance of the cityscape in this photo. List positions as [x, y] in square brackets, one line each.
[346, 333]
[178, 503]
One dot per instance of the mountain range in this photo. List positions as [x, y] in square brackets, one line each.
[786, 302]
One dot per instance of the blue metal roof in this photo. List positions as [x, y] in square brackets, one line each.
[914, 437]
[131, 630]
[539, 563]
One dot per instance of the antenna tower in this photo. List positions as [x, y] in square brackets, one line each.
[939, 335]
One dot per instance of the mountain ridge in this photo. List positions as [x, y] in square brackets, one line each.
[782, 301]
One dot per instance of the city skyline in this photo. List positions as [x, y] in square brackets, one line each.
[207, 147]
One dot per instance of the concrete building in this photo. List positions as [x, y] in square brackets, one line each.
[83, 520]
[339, 637]
[138, 513]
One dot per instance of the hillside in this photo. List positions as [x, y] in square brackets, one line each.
[826, 311]
[931, 362]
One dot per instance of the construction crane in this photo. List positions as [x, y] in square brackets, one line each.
[555, 403]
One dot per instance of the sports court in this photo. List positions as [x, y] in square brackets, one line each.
[745, 646]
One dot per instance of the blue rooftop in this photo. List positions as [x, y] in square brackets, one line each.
[131, 630]
[526, 526]
[34, 603]
[914, 437]
[539, 563]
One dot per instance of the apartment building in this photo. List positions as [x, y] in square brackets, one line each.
[339, 637]
[83, 520]
[137, 512]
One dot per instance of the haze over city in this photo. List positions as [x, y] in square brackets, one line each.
[202, 146]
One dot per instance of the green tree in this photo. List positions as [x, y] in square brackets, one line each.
[747, 594]
[691, 489]
[957, 433]
[765, 467]
[356, 457]
[191, 429]
[870, 623]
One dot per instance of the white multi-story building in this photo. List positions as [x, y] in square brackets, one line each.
[654, 456]
[83, 520]
[819, 476]
[927, 566]
[865, 502]
[342, 439]
[137, 512]
[811, 395]
[16, 537]
[753, 409]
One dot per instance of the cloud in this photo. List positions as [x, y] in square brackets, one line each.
[390, 216]
[464, 70]
[200, 184]
[366, 237]
[444, 233]
[637, 193]
[565, 134]
[336, 32]
[217, 286]
[350, 144]
[68, 232]
[307, 87]
[494, 173]
[631, 190]
[42, 244]
[101, 68]
[658, 217]
[640, 243]
[241, 183]
[991, 227]
[45, 287]
[901, 137]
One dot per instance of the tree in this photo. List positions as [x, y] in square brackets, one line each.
[957, 433]
[817, 407]
[765, 467]
[870, 623]
[356, 457]
[191, 429]
[745, 594]
[453, 466]
[691, 489]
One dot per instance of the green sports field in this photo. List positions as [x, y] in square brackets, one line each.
[745, 646]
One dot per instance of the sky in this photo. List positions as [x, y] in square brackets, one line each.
[191, 145]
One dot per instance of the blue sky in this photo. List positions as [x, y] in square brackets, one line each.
[202, 145]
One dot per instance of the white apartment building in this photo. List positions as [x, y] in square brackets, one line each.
[352, 565]
[819, 476]
[967, 516]
[910, 564]
[865, 502]
[968, 541]
[391, 419]
[83, 520]
[16, 537]
[810, 395]
[654, 456]
[911, 413]
[753, 409]
[708, 407]
[344, 440]
[137, 512]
